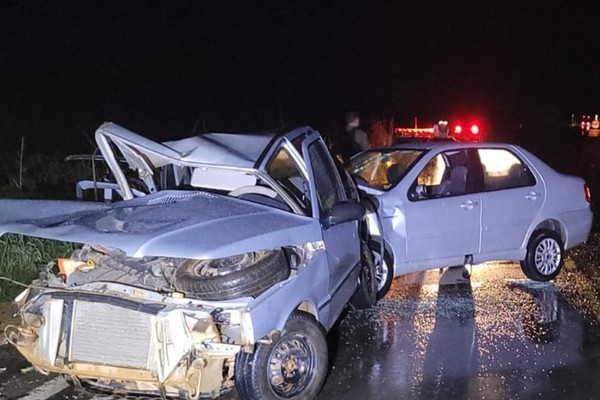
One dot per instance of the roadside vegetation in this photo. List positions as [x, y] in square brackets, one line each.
[40, 176]
[21, 258]
[35, 176]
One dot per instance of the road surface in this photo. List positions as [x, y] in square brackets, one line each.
[438, 335]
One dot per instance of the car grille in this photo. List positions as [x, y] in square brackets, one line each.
[110, 335]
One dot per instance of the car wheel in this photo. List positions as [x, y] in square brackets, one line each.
[545, 256]
[366, 293]
[383, 269]
[249, 274]
[293, 366]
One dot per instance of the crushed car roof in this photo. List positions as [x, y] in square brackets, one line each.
[232, 149]
[241, 150]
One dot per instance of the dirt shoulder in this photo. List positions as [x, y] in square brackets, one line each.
[588, 256]
[6, 316]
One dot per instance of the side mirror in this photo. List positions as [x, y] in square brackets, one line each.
[344, 212]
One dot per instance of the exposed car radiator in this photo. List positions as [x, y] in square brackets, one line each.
[109, 335]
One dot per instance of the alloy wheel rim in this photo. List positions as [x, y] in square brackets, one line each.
[547, 256]
[291, 366]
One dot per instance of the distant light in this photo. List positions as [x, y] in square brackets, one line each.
[458, 129]
[475, 129]
[588, 193]
[497, 163]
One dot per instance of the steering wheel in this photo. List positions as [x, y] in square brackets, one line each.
[253, 189]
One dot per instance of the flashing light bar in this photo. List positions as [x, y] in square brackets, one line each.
[413, 130]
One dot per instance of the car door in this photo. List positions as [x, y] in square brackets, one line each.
[442, 214]
[285, 164]
[342, 241]
[511, 199]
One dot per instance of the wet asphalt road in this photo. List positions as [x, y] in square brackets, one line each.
[493, 336]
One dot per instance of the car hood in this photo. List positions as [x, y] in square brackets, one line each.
[169, 224]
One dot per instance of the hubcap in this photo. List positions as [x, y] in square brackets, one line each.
[224, 266]
[547, 256]
[291, 366]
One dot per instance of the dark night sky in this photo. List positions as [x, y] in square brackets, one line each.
[161, 68]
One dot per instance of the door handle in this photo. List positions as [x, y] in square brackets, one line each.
[532, 196]
[468, 205]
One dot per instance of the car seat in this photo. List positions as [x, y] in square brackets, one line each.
[394, 173]
[455, 185]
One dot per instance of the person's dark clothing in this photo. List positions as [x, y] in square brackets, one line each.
[355, 142]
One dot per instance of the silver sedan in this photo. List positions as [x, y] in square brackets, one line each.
[443, 204]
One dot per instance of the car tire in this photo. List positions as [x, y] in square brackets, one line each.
[366, 292]
[383, 269]
[545, 256]
[253, 279]
[293, 366]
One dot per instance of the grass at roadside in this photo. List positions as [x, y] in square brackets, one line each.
[37, 176]
[21, 257]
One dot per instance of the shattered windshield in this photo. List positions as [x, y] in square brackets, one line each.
[383, 169]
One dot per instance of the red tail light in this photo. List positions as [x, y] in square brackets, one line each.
[588, 193]
[458, 129]
[475, 129]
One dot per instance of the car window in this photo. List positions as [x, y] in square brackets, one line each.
[329, 191]
[349, 187]
[286, 172]
[383, 169]
[503, 170]
[446, 174]
[434, 172]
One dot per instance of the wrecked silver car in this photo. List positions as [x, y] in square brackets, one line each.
[227, 261]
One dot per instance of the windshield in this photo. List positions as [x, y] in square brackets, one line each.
[383, 169]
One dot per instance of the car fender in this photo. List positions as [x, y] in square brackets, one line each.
[310, 286]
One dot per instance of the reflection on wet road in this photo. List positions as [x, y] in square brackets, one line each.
[441, 336]
[495, 336]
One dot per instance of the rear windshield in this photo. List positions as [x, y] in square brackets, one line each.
[383, 169]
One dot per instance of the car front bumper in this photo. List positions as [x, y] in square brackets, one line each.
[125, 339]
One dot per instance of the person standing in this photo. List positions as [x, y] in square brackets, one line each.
[355, 140]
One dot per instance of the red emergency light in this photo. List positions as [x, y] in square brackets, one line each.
[469, 131]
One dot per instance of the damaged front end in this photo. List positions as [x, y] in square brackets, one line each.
[127, 339]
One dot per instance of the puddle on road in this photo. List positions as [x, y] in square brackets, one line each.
[496, 335]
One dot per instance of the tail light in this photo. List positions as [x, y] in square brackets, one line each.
[458, 129]
[588, 193]
[475, 129]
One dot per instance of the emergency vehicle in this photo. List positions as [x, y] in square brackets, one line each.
[589, 127]
[443, 130]
[594, 127]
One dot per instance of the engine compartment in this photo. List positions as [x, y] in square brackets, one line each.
[153, 273]
[244, 275]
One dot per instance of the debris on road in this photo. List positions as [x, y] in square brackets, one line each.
[27, 370]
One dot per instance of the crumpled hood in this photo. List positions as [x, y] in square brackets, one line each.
[169, 224]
